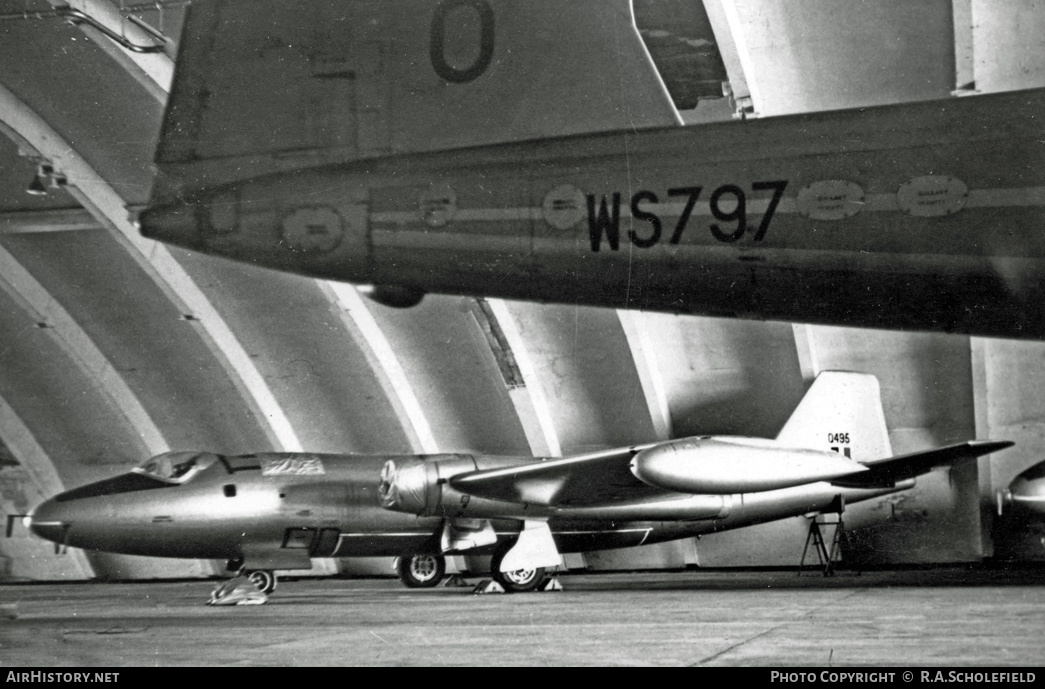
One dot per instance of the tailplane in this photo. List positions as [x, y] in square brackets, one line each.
[841, 412]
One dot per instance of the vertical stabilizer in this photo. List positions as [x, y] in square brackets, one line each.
[842, 411]
[261, 82]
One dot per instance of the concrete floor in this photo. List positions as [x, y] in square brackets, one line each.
[959, 616]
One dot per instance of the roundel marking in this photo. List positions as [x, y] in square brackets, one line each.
[313, 230]
[438, 205]
[564, 206]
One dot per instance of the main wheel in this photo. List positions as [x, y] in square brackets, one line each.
[519, 580]
[264, 579]
[421, 571]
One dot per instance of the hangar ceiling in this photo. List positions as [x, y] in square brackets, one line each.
[113, 348]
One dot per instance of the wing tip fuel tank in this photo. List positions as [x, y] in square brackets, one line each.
[725, 466]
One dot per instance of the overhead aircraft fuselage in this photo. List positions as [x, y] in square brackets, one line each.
[923, 216]
[276, 511]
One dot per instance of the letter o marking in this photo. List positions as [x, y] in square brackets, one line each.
[437, 44]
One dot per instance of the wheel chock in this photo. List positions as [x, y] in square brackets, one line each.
[488, 586]
[455, 581]
[550, 584]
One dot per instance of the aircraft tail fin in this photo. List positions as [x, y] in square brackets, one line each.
[263, 85]
[841, 411]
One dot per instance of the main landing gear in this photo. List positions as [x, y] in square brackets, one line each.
[421, 571]
[427, 570]
[517, 581]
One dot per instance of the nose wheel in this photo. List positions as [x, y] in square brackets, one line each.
[421, 571]
[264, 579]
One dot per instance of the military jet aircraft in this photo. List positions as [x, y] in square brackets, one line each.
[528, 149]
[268, 512]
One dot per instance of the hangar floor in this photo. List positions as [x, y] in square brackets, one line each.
[957, 616]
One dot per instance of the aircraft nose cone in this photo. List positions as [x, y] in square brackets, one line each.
[48, 521]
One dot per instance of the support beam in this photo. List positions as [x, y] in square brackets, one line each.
[964, 54]
[528, 399]
[59, 324]
[978, 348]
[110, 210]
[805, 348]
[357, 317]
[819, 55]
[636, 331]
[731, 47]
[1008, 45]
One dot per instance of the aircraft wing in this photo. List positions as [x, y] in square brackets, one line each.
[886, 472]
[597, 478]
[606, 477]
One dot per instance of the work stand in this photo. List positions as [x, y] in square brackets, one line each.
[826, 555]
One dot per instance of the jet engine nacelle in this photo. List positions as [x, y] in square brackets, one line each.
[726, 465]
[412, 485]
[421, 486]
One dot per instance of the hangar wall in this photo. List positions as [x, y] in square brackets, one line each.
[711, 375]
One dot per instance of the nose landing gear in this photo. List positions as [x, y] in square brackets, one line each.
[264, 579]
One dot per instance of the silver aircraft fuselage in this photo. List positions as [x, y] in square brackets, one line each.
[924, 216]
[275, 511]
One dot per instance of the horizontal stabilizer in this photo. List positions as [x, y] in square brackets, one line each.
[590, 479]
[887, 472]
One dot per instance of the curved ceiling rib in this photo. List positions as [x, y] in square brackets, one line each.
[24, 288]
[357, 317]
[154, 71]
[805, 348]
[722, 16]
[530, 404]
[636, 332]
[106, 205]
[159, 71]
[38, 466]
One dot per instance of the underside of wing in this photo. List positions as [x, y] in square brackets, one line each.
[591, 479]
[888, 472]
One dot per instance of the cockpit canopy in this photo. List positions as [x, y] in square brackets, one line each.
[176, 467]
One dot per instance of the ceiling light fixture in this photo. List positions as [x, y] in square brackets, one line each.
[36, 187]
